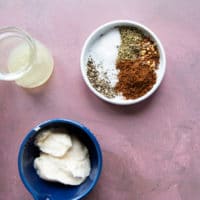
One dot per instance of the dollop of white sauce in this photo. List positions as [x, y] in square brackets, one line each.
[63, 158]
[54, 144]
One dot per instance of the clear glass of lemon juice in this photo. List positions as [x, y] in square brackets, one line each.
[23, 59]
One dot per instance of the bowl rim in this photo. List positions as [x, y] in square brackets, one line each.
[37, 128]
[112, 24]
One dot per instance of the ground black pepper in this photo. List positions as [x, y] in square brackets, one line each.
[101, 84]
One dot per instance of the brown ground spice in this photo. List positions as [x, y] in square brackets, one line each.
[136, 78]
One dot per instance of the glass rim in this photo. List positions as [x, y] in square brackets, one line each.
[13, 31]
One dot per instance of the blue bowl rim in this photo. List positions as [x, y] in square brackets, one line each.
[67, 121]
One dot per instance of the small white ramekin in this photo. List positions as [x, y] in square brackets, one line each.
[103, 29]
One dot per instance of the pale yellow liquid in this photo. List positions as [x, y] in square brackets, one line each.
[40, 70]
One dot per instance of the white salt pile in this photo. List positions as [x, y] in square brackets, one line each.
[104, 52]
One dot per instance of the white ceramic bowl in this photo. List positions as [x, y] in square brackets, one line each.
[103, 29]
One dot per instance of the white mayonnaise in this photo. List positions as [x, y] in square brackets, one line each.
[63, 159]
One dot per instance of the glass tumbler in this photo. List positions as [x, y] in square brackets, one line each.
[23, 59]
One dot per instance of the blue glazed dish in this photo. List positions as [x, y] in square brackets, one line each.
[45, 190]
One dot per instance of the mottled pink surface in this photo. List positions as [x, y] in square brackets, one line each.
[151, 150]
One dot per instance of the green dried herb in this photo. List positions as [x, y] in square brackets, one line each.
[131, 43]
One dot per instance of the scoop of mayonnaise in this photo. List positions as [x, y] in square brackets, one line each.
[72, 168]
[55, 144]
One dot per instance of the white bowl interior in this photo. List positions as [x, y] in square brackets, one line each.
[102, 30]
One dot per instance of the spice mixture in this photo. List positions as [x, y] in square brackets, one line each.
[137, 61]
[135, 64]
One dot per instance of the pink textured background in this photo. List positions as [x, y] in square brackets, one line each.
[151, 150]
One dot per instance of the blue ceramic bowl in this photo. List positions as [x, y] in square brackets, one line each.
[44, 190]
